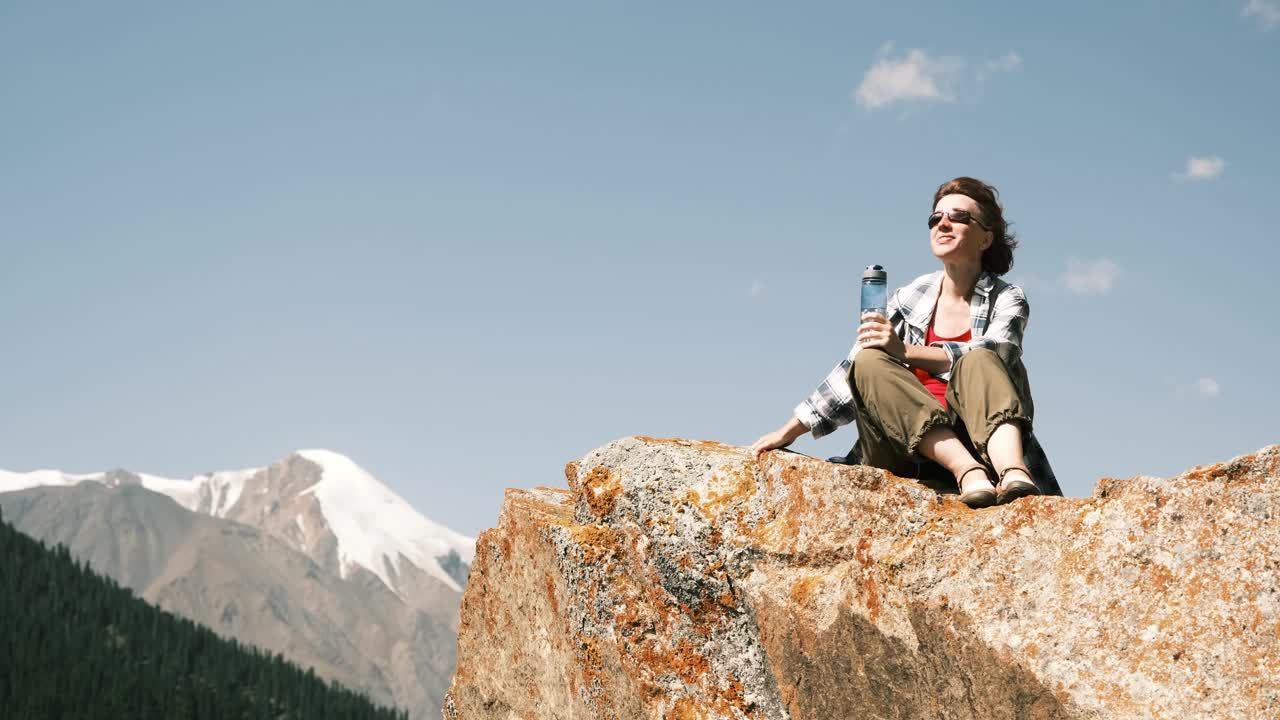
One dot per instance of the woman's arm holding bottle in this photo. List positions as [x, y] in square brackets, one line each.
[876, 332]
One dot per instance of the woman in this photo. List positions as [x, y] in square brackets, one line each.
[938, 386]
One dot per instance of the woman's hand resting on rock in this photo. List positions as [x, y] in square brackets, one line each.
[771, 441]
[781, 437]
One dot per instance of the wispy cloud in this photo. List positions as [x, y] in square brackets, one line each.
[757, 288]
[1008, 63]
[1202, 168]
[1090, 277]
[918, 77]
[1265, 12]
[1028, 280]
[1208, 387]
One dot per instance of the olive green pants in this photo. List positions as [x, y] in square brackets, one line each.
[895, 411]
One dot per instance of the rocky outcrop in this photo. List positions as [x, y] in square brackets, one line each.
[683, 580]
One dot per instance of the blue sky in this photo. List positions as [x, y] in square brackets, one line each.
[464, 244]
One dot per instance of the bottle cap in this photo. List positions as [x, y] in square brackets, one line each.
[874, 272]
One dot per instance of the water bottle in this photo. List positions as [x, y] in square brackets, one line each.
[874, 280]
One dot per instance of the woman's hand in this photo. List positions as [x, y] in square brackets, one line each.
[781, 437]
[772, 441]
[876, 332]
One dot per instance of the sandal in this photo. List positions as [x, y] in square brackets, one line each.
[1013, 488]
[980, 498]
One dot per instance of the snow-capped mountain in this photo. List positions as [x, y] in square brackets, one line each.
[319, 501]
[311, 557]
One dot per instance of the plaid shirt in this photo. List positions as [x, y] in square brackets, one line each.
[910, 310]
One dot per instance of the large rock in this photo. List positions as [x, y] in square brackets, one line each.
[683, 580]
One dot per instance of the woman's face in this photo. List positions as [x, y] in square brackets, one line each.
[954, 241]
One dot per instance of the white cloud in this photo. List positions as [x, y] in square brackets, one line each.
[757, 288]
[1266, 12]
[1202, 168]
[1090, 277]
[915, 77]
[1208, 387]
[919, 77]
[1010, 62]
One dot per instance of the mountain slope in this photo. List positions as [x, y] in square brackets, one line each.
[78, 645]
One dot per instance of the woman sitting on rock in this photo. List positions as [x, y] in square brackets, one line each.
[939, 385]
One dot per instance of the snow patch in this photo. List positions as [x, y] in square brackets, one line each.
[222, 488]
[225, 488]
[13, 481]
[185, 492]
[211, 493]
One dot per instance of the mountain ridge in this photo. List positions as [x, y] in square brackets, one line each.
[351, 504]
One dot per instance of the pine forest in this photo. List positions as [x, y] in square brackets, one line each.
[77, 645]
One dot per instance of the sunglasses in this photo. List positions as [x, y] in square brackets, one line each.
[964, 217]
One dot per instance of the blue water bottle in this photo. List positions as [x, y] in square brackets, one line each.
[874, 280]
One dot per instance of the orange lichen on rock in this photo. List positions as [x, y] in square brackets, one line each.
[590, 664]
[741, 487]
[684, 661]
[549, 503]
[596, 541]
[571, 474]
[709, 445]
[802, 589]
[631, 617]
[730, 488]
[601, 490]
[1159, 578]
[863, 553]
[1205, 473]
[871, 592]
[794, 479]
[551, 597]
[685, 708]
[709, 611]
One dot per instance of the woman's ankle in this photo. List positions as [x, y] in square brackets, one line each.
[975, 476]
[1016, 472]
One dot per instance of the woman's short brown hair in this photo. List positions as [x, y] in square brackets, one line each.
[999, 257]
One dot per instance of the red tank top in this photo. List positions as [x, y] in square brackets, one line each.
[931, 383]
